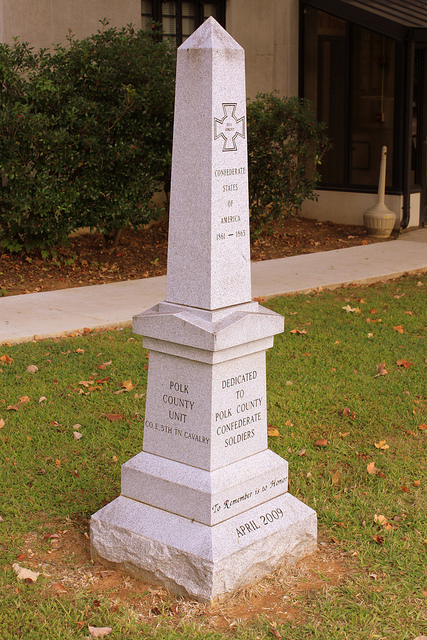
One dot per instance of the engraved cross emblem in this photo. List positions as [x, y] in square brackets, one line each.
[229, 127]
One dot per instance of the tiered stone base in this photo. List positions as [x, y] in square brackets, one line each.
[204, 562]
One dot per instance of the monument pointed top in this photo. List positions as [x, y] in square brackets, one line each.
[210, 35]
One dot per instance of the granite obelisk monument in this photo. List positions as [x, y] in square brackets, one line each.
[205, 508]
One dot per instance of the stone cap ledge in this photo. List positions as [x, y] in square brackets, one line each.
[212, 331]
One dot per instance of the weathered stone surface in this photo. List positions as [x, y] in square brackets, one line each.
[200, 561]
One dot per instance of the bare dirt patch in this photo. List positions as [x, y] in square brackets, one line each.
[143, 254]
[63, 558]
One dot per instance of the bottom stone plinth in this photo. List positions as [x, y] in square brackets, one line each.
[204, 562]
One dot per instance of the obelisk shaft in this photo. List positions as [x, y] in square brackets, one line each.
[209, 254]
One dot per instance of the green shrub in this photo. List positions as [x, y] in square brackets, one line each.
[85, 135]
[285, 147]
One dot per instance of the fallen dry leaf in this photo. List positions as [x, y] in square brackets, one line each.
[104, 365]
[77, 435]
[127, 385]
[321, 443]
[18, 405]
[371, 469]
[423, 427]
[25, 574]
[336, 476]
[378, 539]
[349, 413]
[349, 309]
[80, 350]
[298, 331]
[59, 588]
[399, 328]
[382, 371]
[417, 483]
[99, 632]
[32, 368]
[5, 358]
[382, 445]
[272, 432]
[112, 416]
[2, 423]
[405, 489]
[274, 632]
[383, 522]
[42, 399]
[404, 363]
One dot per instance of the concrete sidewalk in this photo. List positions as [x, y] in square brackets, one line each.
[54, 313]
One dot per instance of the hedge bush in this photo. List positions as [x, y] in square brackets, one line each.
[285, 148]
[85, 135]
[86, 139]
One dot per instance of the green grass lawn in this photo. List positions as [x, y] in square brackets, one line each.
[347, 398]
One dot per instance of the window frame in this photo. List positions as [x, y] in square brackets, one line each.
[156, 15]
[399, 101]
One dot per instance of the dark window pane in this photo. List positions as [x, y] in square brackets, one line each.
[146, 14]
[188, 19]
[209, 9]
[325, 86]
[169, 20]
[179, 18]
[416, 112]
[372, 106]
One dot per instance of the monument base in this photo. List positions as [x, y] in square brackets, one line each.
[199, 561]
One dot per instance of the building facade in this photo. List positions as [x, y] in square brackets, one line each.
[361, 62]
